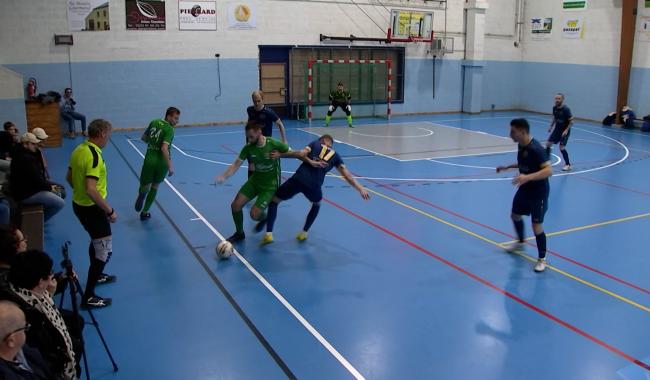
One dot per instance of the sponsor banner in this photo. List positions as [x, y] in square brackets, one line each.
[197, 15]
[88, 15]
[145, 15]
[541, 27]
[241, 16]
[573, 27]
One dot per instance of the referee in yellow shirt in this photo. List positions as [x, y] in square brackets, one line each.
[87, 176]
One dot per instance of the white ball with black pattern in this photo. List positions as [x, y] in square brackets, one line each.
[224, 249]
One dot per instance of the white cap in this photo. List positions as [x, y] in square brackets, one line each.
[40, 133]
[29, 137]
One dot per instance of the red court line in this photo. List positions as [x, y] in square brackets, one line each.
[494, 287]
[585, 266]
[613, 185]
[229, 149]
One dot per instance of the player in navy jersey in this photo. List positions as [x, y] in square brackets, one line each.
[318, 158]
[560, 129]
[533, 188]
[265, 116]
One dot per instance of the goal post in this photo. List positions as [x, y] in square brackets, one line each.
[387, 89]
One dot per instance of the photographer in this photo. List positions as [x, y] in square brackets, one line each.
[69, 115]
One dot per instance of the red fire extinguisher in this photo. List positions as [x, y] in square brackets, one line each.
[31, 88]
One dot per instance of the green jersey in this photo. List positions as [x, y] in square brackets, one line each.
[158, 132]
[267, 170]
[340, 96]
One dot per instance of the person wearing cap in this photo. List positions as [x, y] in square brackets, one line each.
[40, 134]
[27, 181]
[69, 115]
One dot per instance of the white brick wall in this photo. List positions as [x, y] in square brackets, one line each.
[27, 28]
[601, 42]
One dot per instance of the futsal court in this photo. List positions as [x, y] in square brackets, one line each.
[413, 283]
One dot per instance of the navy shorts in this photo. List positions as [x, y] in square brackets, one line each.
[525, 204]
[556, 137]
[292, 187]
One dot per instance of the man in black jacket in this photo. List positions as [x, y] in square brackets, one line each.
[27, 180]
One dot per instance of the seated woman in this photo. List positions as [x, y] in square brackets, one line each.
[32, 286]
[27, 180]
[12, 242]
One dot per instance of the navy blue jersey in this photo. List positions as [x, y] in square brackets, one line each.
[312, 176]
[264, 116]
[531, 159]
[561, 115]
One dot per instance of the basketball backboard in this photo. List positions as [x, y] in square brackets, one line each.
[411, 25]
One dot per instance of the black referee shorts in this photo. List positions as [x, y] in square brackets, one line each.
[93, 219]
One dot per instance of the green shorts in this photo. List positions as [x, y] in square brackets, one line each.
[154, 170]
[264, 193]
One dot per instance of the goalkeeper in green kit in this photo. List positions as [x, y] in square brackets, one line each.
[339, 98]
[157, 162]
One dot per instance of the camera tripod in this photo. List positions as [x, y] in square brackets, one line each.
[74, 287]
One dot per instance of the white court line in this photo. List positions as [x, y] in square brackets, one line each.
[266, 284]
[352, 145]
[416, 159]
[394, 136]
[557, 161]
[627, 153]
[469, 155]
[606, 129]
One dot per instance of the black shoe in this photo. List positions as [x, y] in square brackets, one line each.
[145, 215]
[260, 225]
[96, 302]
[140, 201]
[106, 279]
[237, 236]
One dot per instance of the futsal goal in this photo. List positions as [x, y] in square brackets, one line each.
[369, 82]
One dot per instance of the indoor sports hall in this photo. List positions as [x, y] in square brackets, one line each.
[416, 282]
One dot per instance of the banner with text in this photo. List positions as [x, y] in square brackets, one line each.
[145, 14]
[573, 27]
[197, 15]
[541, 28]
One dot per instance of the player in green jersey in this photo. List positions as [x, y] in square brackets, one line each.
[262, 152]
[157, 162]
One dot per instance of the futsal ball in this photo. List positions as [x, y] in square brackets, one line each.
[224, 249]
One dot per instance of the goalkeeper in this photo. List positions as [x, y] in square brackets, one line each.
[339, 98]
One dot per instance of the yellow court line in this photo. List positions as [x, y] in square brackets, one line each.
[587, 227]
[573, 277]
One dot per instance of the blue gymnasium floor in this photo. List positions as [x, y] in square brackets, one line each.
[409, 285]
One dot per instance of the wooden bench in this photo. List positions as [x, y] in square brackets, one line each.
[32, 225]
